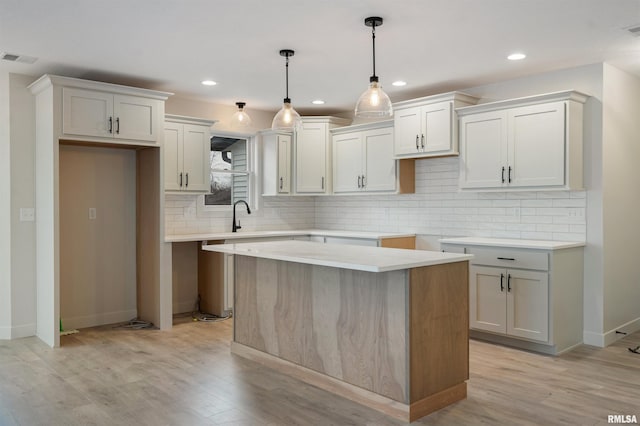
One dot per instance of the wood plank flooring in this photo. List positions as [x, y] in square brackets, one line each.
[187, 376]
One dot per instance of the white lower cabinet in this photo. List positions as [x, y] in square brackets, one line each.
[529, 297]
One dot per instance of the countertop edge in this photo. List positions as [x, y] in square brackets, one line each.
[513, 243]
[284, 233]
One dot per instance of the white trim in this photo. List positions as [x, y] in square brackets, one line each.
[605, 339]
[5, 333]
[24, 330]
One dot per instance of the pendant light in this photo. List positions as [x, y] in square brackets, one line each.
[240, 119]
[374, 103]
[287, 118]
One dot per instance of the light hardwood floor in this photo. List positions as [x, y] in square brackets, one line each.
[187, 376]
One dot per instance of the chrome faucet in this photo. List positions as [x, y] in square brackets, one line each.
[235, 225]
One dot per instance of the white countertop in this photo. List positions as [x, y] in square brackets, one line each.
[283, 233]
[371, 259]
[506, 242]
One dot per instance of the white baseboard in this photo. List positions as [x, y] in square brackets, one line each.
[605, 339]
[98, 319]
[5, 333]
[24, 330]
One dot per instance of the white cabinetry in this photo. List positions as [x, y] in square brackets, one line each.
[526, 143]
[313, 154]
[527, 297]
[103, 114]
[427, 127]
[276, 162]
[363, 159]
[187, 146]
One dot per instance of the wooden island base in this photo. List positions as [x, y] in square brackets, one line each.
[395, 341]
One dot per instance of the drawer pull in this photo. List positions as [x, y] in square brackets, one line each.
[501, 283]
[508, 282]
[506, 258]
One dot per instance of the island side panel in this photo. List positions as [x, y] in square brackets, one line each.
[350, 325]
[439, 335]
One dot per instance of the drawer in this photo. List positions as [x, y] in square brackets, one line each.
[509, 258]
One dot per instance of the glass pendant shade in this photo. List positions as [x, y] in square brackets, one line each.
[374, 103]
[287, 118]
[240, 119]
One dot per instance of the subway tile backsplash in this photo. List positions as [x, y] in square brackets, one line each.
[437, 208]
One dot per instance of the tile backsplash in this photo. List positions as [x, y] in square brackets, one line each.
[437, 208]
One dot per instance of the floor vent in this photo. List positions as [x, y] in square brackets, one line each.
[12, 57]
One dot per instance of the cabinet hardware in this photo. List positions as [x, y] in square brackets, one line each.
[508, 282]
[422, 141]
[506, 258]
[502, 174]
[187, 183]
[281, 183]
[417, 146]
[363, 183]
[509, 174]
[180, 179]
[110, 124]
[322, 184]
[501, 283]
[359, 184]
[118, 125]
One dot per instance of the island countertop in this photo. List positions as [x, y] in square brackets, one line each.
[371, 259]
[284, 233]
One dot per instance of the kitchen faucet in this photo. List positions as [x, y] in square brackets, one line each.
[237, 226]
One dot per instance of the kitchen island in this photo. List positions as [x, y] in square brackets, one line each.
[385, 327]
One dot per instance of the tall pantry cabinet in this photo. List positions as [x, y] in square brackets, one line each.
[74, 112]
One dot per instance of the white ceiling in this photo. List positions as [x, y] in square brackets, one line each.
[434, 45]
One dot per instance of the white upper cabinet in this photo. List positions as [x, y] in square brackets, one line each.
[526, 143]
[363, 159]
[313, 154]
[427, 127]
[187, 146]
[276, 162]
[97, 113]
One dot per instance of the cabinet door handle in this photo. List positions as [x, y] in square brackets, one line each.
[118, 125]
[509, 174]
[422, 141]
[359, 184]
[180, 179]
[508, 282]
[187, 183]
[110, 124]
[417, 145]
[506, 258]
[363, 183]
[322, 183]
[501, 283]
[281, 183]
[502, 174]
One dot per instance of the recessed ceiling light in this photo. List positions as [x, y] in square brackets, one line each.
[318, 102]
[516, 56]
[399, 83]
[209, 83]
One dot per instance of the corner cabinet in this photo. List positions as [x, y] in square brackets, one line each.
[313, 165]
[526, 143]
[276, 162]
[187, 147]
[525, 296]
[427, 127]
[363, 161]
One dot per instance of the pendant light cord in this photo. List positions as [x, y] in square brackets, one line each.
[373, 39]
[287, 76]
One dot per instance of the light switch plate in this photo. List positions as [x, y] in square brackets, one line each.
[92, 213]
[27, 214]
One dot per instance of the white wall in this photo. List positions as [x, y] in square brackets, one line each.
[5, 209]
[97, 256]
[621, 201]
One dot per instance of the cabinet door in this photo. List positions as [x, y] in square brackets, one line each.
[487, 294]
[172, 156]
[196, 152]
[284, 164]
[537, 145]
[347, 162]
[528, 304]
[437, 119]
[407, 131]
[135, 118]
[311, 158]
[380, 166]
[87, 113]
[483, 150]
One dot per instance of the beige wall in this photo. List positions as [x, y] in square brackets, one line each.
[5, 210]
[97, 257]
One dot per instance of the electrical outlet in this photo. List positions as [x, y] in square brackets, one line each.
[27, 214]
[92, 213]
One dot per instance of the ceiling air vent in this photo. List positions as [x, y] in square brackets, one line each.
[12, 57]
[635, 30]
